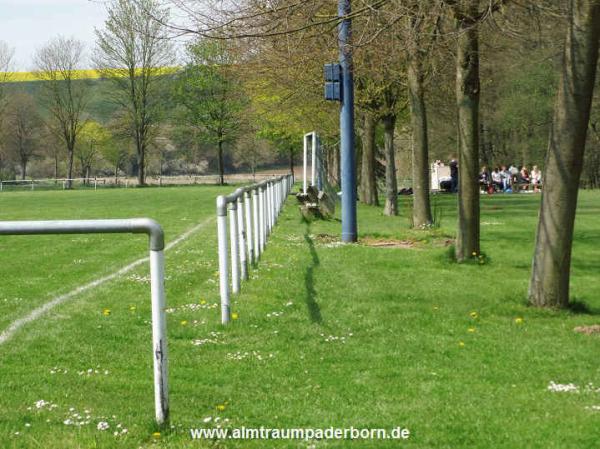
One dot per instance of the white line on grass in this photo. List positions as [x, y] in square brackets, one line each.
[44, 308]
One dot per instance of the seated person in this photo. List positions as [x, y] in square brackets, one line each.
[525, 179]
[506, 179]
[536, 178]
[484, 178]
[497, 179]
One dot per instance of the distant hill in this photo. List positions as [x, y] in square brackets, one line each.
[100, 107]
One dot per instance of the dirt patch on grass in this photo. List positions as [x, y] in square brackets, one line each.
[588, 330]
[387, 243]
[326, 238]
[329, 240]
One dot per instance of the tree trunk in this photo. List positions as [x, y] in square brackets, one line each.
[117, 174]
[69, 183]
[292, 160]
[141, 161]
[221, 164]
[420, 144]
[368, 182]
[467, 100]
[23, 169]
[55, 167]
[391, 184]
[549, 284]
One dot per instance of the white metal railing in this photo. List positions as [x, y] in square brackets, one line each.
[31, 183]
[311, 139]
[96, 182]
[252, 213]
[157, 282]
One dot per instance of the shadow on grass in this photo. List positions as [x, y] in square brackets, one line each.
[581, 308]
[313, 308]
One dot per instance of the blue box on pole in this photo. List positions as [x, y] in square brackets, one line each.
[333, 72]
[333, 78]
[333, 91]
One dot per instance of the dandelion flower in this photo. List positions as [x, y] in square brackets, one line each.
[234, 316]
[474, 315]
[519, 320]
[132, 308]
[461, 344]
[202, 302]
[156, 435]
[184, 322]
[474, 253]
[471, 329]
[106, 312]
[221, 407]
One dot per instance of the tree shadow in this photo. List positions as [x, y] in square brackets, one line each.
[313, 308]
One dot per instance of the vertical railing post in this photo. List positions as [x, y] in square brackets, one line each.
[223, 258]
[159, 336]
[269, 209]
[271, 198]
[249, 239]
[305, 154]
[262, 216]
[313, 158]
[255, 214]
[234, 247]
[242, 234]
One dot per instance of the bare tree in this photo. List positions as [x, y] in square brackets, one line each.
[6, 57]
[549, 284]
[6, 60]
[64, 95]
[133, 52]
[23, 125]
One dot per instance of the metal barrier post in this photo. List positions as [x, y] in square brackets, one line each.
[242, 234]
[248, 212]
[157, 245]
[223, 258]
[234, 246]
[255, 201]
[262, 224]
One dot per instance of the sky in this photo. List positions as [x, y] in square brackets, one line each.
[27, 25]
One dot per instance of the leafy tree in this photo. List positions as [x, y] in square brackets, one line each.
[93, 138]
[211, 95]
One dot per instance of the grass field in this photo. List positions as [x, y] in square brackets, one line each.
[326, 335]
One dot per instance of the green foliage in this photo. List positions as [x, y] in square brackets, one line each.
[210, 92]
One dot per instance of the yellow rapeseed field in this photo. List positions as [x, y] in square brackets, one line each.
[20, 77]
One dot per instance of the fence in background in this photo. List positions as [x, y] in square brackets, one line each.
[157, 282]
[110, 182]
[252, 211]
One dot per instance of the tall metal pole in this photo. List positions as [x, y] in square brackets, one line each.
[349, 231]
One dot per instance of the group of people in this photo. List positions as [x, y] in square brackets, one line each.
[510, 179]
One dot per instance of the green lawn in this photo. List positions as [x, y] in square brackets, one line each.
[326, 335]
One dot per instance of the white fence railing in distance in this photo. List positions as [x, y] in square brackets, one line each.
[98, 182]
[252, 212]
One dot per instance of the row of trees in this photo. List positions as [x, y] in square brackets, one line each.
[198, 105]
[442, 55]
